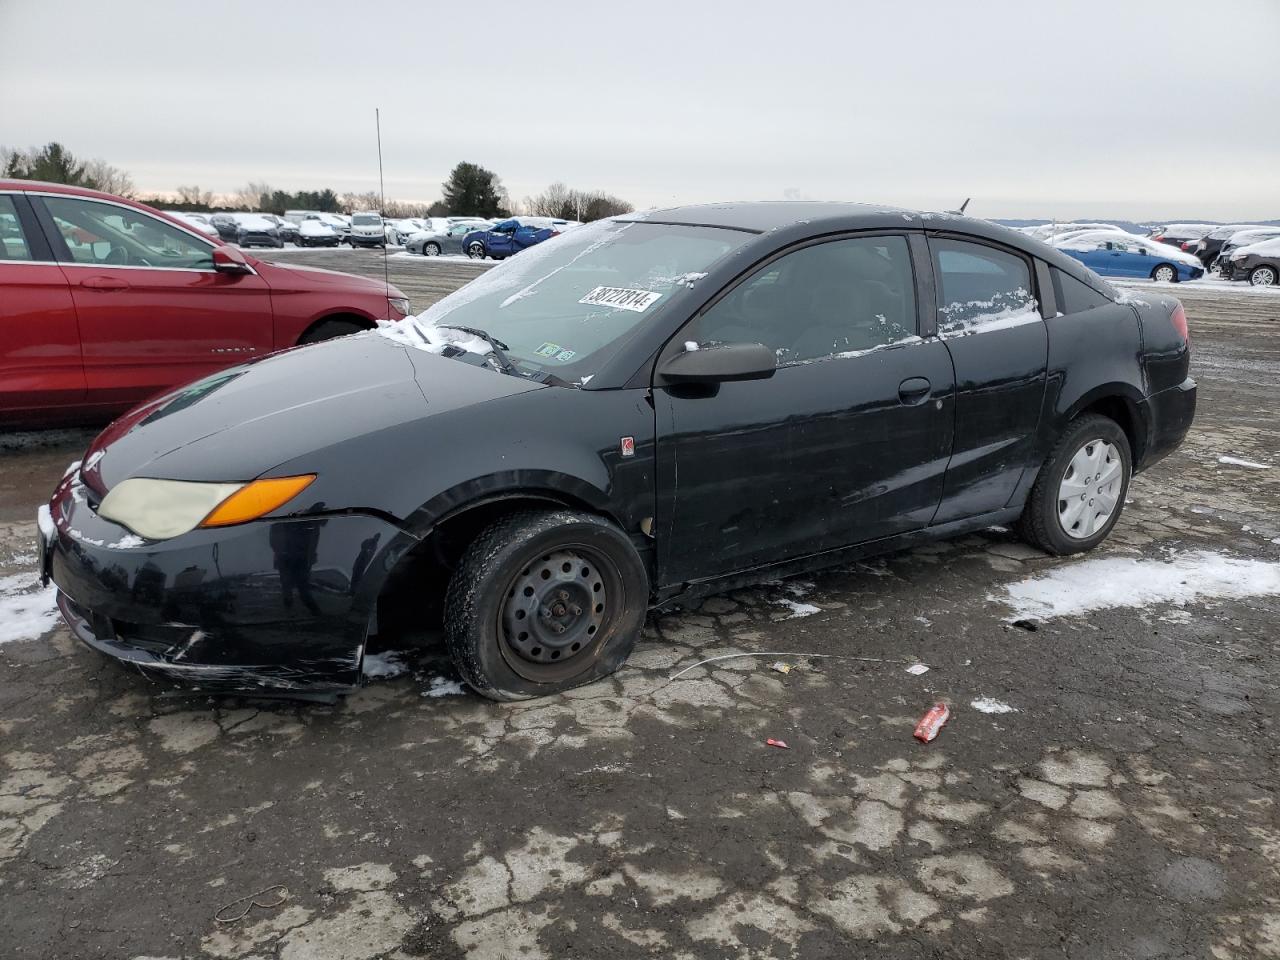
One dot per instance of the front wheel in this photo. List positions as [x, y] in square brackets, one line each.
[328, 329]
[1263, 276]
[431, 249]
[544, 601]
[1079, 493]
[1164, 273]
[475, 250]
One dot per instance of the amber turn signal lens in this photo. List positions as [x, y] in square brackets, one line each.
[253, 500]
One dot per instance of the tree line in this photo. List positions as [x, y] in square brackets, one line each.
[471, 190]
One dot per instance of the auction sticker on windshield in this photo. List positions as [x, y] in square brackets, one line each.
[622, 298]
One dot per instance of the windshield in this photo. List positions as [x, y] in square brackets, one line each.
[365, 220]
[565, 304]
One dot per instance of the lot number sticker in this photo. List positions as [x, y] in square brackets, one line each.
[622, 298]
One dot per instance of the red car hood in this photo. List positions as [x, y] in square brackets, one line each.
[284, 275]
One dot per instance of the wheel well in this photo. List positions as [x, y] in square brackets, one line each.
[1122, 411]
[363, 322]
[412, 599]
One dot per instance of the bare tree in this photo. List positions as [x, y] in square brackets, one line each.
[109, 179]
[195, 197]
[252, 196]
[569, 204]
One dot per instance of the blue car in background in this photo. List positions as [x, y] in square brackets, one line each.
[509, 237]
[1112, 253]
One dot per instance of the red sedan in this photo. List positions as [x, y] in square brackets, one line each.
[105, 302]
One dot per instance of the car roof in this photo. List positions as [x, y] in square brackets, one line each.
[760, 216]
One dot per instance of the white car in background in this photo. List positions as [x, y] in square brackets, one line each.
[195, 221]
[314, 232]
[367, 230]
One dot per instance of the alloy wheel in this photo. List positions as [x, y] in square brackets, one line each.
[1165, 274]
[1090, 489]
[431, 250]
[1263, 277]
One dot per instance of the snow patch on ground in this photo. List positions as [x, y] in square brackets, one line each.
[384, 666]
[27, 610]
[798, 609]
[444, 687]
[989, 705]
[1237, 462]
[1113, 582]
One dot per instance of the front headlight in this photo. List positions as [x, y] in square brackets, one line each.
[1238, 256]
[160, 509]
[399, 303]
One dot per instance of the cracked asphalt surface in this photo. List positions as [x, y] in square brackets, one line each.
[1127, 808]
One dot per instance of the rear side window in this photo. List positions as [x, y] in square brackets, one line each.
[13, 244]
[979, 285]
[1072, 295]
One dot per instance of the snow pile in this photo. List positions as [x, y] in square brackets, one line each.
[427, 336]
[1112, 582]
[384, 666]
[798, 609]
[1237, 462]
[988, 705]
[27, 610]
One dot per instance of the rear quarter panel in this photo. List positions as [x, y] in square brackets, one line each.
[1093, 355]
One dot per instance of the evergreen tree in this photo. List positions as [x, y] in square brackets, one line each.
[473, 191]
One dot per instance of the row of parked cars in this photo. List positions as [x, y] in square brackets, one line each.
[1176, 252]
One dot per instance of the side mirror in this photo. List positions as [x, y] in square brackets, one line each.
[720, 364]
[230, 260]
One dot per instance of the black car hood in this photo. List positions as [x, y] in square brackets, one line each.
[237, 424]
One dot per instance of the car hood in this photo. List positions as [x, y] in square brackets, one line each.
[237, 424]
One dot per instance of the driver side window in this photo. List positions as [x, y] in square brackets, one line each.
[827, 300]
[105, 234]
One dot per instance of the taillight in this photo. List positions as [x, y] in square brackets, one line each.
[1179, 320]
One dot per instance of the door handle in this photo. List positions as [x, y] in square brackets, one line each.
[104, 283]
[914, 390]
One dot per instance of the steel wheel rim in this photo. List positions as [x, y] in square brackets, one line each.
[1089, 492]
[1164, 273]
[1263, 277]
[556, 613]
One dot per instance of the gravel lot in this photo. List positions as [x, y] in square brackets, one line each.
[1126, 806]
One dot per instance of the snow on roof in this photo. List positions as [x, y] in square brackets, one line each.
[1263, 248]
[253, 221]
[1090, 239]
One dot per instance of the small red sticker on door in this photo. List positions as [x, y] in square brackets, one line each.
[628, 446]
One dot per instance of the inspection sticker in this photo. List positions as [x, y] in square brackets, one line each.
[621, 297]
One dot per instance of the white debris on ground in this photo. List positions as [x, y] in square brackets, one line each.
[916, 669]
[444, 687]
[798, 609]
[27, 610]
[1112, 582]
[385, 665]
[989, 705]
[1237, 462]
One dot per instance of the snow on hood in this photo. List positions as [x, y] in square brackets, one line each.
[316, 228]
[413, 332]
[1263, 248]
[252, 222]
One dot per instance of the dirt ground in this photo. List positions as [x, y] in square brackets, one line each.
[1126, 806]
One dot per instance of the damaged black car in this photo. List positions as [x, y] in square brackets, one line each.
[632, 415]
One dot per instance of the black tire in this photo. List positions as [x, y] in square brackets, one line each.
[1039, 524]
[1165, 266]
[513, 573]
[431, 249]
[328, 329]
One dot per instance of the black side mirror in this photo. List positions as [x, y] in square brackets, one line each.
[720, 364]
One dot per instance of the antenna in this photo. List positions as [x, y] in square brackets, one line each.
[962, 206]
[382, 206]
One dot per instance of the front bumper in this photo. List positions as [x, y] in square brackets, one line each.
[1168, 416]
[363, 241]
[273, 605]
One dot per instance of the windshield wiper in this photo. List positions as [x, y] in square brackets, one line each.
[498, 348]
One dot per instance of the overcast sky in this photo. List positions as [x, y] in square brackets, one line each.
[1050, 109]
